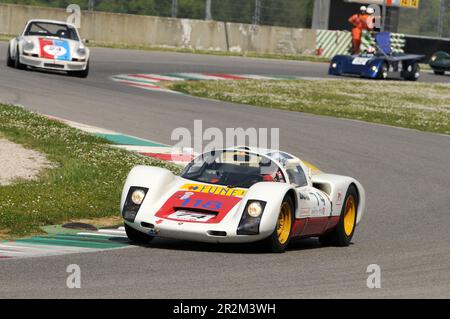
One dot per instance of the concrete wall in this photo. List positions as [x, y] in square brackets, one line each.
[267, 39]
[156, 31]
[180, 33]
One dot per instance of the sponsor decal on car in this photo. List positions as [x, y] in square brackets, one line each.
[191, 216]
[339, 198]
[55, 49]
[216, 190]
[360, 61]
[303, 196]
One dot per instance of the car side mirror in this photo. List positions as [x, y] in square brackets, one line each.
[85, 41]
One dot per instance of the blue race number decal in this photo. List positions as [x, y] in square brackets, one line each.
[198, 203]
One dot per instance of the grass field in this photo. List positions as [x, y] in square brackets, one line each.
[86, 182]
[419, 106]
[294, 57]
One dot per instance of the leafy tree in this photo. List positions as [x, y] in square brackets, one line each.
[295, 13]
[424, 21]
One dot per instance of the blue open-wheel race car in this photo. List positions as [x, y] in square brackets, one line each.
[379, 63]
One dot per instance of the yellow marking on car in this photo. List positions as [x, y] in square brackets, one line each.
[216, 190]
[314, 169]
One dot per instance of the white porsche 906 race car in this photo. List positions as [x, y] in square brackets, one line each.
[242, 195]
[51, 45]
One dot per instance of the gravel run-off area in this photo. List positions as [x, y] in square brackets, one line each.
[19, 163]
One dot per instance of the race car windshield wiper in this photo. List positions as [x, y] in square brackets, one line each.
[244, 185]
[234, 186]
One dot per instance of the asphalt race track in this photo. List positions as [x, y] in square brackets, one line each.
[406, 174]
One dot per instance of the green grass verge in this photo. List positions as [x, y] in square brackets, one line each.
[275, 56]
[86, 182]
[419, 106]
[6, 37]
[294, 57]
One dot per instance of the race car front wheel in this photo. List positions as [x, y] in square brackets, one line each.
[9, 60]
[137, 236]
[279, 240]
[82, 74]
[343, 233]
[17, 63]
[383, 72]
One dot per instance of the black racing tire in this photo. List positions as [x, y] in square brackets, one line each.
[9, 60]
[414, 74]
[17, 63]
[82, 74]
[137, 236]
[341, 236]
[279, 240]
[383, 72]
[439, 72]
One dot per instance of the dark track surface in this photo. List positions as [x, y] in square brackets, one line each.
[406, 175]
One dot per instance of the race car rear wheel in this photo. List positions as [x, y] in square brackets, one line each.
[438, 72]
[345, 229]
[412, 72]
[137, 236]
[17, 63]
[9, 60]
[279, 240]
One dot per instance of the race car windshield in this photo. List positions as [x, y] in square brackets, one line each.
[47, 29]
[233, 169]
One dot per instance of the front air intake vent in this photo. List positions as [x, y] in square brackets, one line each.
[147, 225]
[217, 233]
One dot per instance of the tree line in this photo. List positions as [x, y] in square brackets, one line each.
[290, 13]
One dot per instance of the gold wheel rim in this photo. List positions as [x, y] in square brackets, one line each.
[284, 223]
[349, 215]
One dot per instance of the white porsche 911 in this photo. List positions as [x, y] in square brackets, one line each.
[51, 45]
[242, 195]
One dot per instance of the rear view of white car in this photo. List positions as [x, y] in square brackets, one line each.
[50, 45]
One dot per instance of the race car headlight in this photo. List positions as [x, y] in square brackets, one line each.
[334, 65]
[433, 58]
[251, 218]
[81, 52]
[28, 46]
[254, 209]
[133, 202]
[374, 69]
[137, 197]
